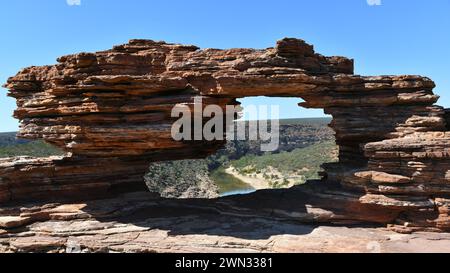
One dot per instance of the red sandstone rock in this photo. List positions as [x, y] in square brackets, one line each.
[144, 223]
[110, 111]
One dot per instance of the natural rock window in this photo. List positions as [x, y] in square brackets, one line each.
[242, 166]
[109, 111]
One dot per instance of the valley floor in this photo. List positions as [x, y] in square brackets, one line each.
[255, 180]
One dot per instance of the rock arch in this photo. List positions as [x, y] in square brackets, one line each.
[110, 111]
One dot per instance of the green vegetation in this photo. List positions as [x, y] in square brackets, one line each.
[35, 148]
[304, 161]
[181, 178]
[306, 121]
[227, 182]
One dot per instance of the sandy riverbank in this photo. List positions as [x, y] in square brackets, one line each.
[256, 180]
[256, 183]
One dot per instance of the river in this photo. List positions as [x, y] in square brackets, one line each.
[229, 184]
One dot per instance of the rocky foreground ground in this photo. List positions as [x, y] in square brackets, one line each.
[143, 222]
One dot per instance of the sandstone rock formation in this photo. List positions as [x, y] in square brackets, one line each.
[145, 223]
[110, 111]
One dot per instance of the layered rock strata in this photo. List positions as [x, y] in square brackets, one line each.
[140, 222]
[110, 111]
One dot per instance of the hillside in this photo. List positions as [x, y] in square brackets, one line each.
[8, 139]
[181, 179]
[34, 148]
[286, 168]
[11, 146]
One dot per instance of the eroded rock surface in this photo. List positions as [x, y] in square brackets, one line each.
[145, 223]
[110, 111]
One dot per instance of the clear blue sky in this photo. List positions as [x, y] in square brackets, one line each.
[396, 37]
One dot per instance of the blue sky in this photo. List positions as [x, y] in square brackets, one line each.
[396, 37]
